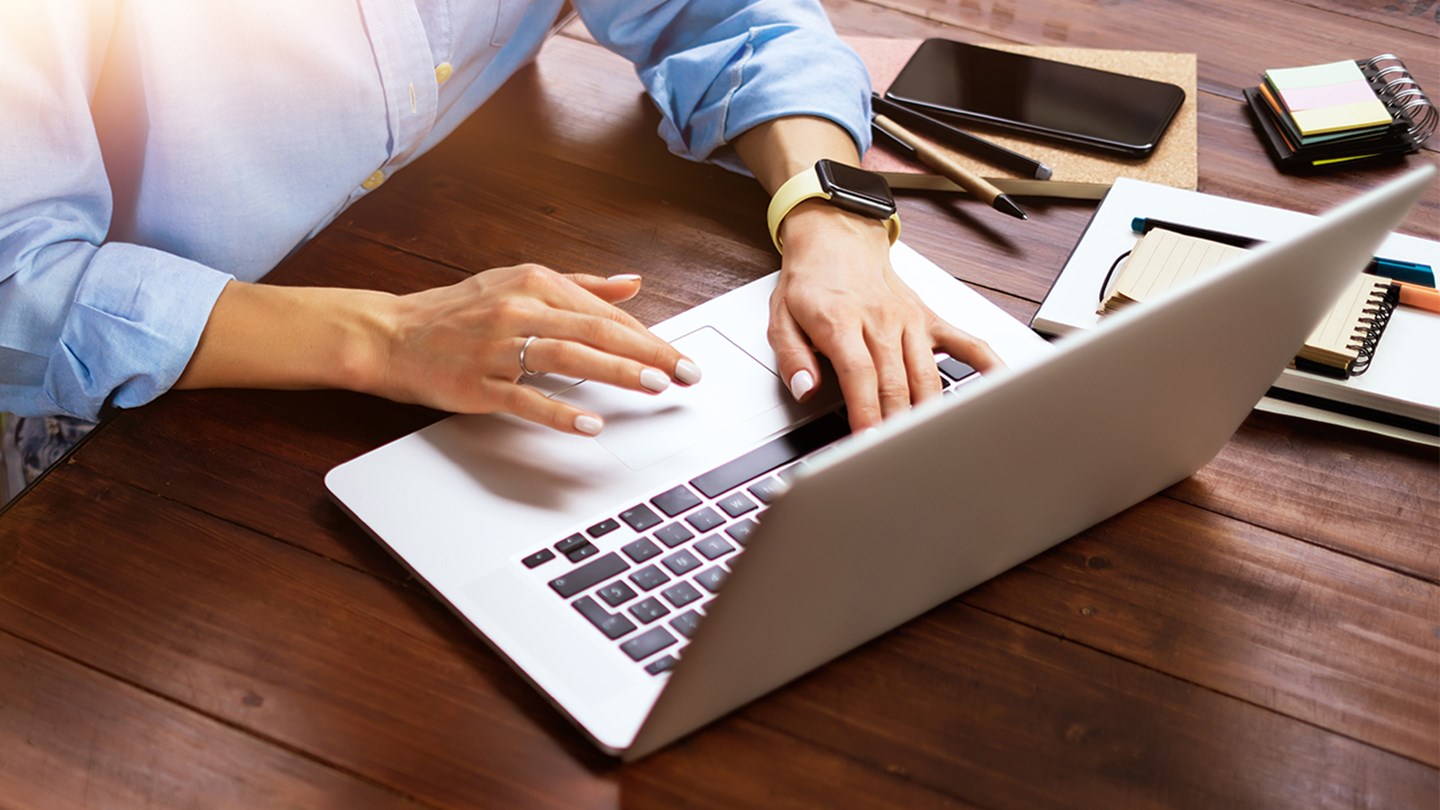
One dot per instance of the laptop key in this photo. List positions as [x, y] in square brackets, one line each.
[649, 610]
[740, 532]
[592, 573]
[640, 517]
[662, 664]
[673, 502]
[681, 562]
[613, 625]
[649, 578]
[686, 623]
[714, 547]
[544, 555]
[640, 550]
[705, 519]
[580, 552]
[573, 541]
[681, 593]
[711, 578]
[604, 527]
[648, 643]
[737, 504]
[954, 369]
[674, 534]
[767, 489]
[615, 593]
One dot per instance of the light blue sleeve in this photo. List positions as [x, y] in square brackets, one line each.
[717, 68]
[82, 322]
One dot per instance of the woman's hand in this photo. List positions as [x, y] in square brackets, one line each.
[456, 348]
[838, 295]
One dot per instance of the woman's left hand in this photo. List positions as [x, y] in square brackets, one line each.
[838, 295]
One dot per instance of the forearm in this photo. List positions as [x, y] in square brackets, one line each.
[264, 336]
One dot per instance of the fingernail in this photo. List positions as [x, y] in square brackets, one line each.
[625, 277]
[801, 383]
[654, 379]
[588, 424]
[687, 372]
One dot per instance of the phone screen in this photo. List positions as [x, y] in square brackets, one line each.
[1076, 104]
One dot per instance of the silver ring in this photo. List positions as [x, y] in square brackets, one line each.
[526, 371]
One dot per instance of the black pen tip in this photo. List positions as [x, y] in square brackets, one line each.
[1006, 205]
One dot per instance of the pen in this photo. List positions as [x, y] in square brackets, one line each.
[959, 139]
[1412, 272]
[931, 156]
[1418, 296]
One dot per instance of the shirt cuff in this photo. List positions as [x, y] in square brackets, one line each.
[134, 324]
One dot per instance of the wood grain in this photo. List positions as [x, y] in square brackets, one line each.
[187, 620]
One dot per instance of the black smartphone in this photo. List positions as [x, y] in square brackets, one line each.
[1078, 105]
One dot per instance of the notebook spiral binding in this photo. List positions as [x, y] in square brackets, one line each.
[1397, 89]
[1379, 307]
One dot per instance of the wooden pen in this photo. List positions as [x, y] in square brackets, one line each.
[951, 169]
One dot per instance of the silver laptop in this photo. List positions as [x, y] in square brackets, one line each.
[716, 542]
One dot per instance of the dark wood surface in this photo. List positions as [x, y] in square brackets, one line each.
[186, 620]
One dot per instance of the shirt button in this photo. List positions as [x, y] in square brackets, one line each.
[443, 71]
[373, 181]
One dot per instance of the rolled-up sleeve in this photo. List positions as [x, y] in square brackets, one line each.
[716, 69]
[83, 322]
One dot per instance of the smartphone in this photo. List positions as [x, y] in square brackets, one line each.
[1078, 105]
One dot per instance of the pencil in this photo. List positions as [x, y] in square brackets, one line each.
[933, 157]
[959, 139]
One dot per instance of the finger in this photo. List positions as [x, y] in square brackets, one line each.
[798, 366]
[920, 363]
[612, 290]
[966, 348]
[548, 355]
[533, 406]
[855, 371]
[892, 378]
[616, 339]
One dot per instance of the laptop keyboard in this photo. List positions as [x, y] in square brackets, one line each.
[642, 578]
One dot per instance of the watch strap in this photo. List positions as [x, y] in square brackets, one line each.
[805, 186]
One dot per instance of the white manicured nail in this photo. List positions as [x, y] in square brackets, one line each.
[625, 277]
[687, 372]
[654, 379]
[591, 425]
[801, 383]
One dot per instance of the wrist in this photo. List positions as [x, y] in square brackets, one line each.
[816, 222]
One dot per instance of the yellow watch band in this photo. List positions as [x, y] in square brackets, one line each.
[798, 189]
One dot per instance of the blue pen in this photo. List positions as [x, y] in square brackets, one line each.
[1412, 272]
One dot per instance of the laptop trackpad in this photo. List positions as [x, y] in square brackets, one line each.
[641, 429]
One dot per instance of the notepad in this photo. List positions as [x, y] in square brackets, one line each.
[1341, 345]
[1341, 113]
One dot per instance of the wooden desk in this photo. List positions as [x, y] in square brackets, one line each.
[186, 620]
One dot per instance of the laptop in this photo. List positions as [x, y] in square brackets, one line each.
[716, 542]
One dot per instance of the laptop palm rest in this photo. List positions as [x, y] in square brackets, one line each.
[641, 430]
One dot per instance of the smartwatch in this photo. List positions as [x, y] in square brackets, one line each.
[845, 187]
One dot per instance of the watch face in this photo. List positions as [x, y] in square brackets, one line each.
[855, 189]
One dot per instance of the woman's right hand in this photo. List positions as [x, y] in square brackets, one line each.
[458, 348]
[455, 348]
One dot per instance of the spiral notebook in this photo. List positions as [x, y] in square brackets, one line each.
[1399, 393]
[1340, 346]
[1341, 113]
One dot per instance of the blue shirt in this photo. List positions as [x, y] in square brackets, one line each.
[151, 150]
